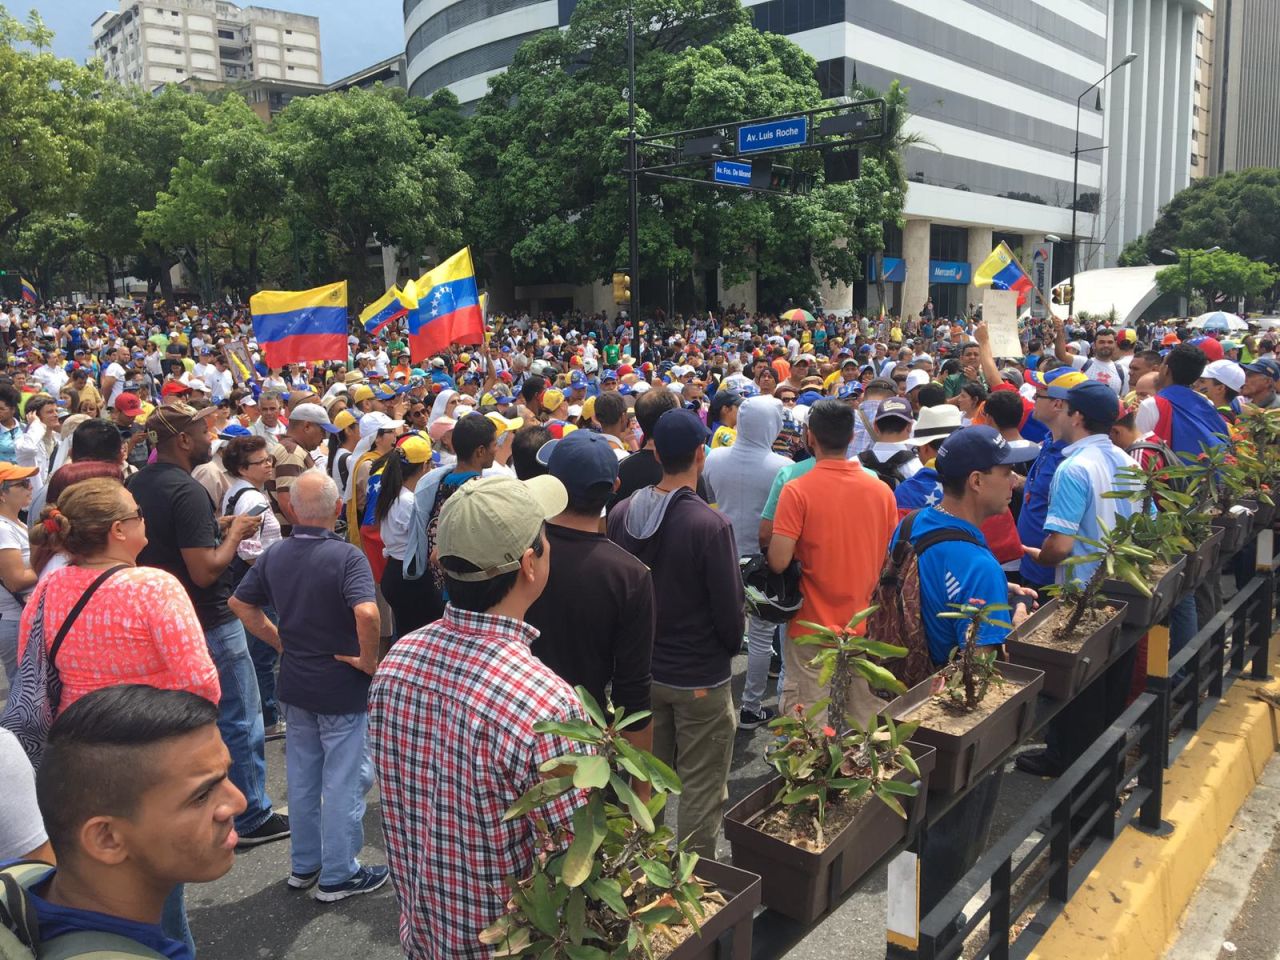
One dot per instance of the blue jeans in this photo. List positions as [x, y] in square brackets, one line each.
[330, 771]
[759, 652]
[1184, 624]
[9, 649]
[265, 660]
[240, 720]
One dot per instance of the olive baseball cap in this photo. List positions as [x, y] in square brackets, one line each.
[492, 521]
[172, 419]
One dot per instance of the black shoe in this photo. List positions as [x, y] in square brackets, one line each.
[750, 719]
[275, 827]
[775, 667]
[1038, 763]
[365, 880]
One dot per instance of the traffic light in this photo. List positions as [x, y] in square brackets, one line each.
[1056, 295]
[621, 288]
[1062, 294]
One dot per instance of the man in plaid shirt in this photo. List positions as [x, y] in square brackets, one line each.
[451, 712]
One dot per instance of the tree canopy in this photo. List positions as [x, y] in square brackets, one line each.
[1238, 211]
[1217, 275]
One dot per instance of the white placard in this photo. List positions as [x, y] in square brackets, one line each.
[1000, 314]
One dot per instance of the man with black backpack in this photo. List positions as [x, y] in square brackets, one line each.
[891, 457]
[953, 565]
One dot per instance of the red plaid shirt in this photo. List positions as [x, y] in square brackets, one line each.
[451, 712]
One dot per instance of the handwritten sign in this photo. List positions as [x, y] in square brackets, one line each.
[1000, 314]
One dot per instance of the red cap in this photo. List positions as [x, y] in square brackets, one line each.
[624, 369]
[174, 388]
[128, 404]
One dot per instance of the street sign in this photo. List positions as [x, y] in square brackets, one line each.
[733, 173]
[772, 135]
[1041, 278]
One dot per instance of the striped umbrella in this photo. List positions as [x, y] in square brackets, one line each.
[798, 315]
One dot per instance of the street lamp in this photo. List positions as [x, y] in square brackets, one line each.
[1075, 174]
[1190, 253]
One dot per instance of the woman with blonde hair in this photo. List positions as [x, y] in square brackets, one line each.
[16, 575]
[139, 625]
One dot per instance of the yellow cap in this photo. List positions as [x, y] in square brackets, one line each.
[344, 419]
[505, 424]
[415, 448]
[551, 400]
[588, 410]
[362, 393]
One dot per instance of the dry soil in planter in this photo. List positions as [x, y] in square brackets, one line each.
[945, 715]
[1090, 623]
[795, 824]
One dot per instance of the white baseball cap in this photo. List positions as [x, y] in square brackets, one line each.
[916, 378]
[1227, 373]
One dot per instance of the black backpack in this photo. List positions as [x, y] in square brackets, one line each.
[888, 471]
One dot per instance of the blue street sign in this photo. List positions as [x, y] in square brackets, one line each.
[772, 135]
[737, 174]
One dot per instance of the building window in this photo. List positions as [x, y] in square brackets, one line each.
[288, 33]
[291, 68]
[226, 35]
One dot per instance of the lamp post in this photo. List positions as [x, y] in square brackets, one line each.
[633, 175]
[1075, 175]
[1190, 253]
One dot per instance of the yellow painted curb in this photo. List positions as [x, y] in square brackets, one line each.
[1131, 902]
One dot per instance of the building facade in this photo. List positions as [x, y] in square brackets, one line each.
[997, 96]
[1245, 127]
[151, 42]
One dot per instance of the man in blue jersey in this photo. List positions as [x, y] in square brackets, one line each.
[974, 468]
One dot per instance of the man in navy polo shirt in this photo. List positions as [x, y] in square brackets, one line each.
[974, 466]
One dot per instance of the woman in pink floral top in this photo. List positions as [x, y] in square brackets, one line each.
[139, 627]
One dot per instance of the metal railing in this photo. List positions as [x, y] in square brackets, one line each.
[1031, 872]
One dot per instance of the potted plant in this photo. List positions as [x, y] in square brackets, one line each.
[615, 885]
[1075, 635]
[833, 810]
[972, 710]
[1226, 491]
[1259, 437]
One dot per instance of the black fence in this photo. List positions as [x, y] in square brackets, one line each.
[1031, 872]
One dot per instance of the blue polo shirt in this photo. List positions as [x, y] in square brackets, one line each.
[56, 920]
[1035, 507]
[955, 572]
[1077, 507]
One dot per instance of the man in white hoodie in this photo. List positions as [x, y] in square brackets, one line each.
[739, 478]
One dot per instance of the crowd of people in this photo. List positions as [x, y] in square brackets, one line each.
[402, 565]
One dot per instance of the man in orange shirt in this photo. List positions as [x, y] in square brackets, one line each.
[837, 520]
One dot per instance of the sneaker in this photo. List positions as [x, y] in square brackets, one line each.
[750, 719]
[274, 731]
[365, 880]
[1038, 763]
[303, 881]
[275, 827]
[775, 667]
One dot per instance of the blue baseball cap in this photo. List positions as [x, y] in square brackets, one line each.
[981, 448]
[583, 461]
[808, 398]
[1265, 366]
[609, 375]
[1095, 400]
[233, 430]
[850, 390]
[678, 433]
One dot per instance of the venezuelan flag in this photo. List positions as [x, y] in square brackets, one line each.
[29, 291]
[1002, 271]
[298, 326]
[448, 308]
[387, 309]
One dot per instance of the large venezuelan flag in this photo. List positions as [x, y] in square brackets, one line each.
[298, 326]
[29, 291]
[448, 308]
[388, 308]
[1002, 271]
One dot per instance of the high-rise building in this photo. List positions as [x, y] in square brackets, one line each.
[151, 42]
[1000, 93]
[1245, 127]
[1203, 89]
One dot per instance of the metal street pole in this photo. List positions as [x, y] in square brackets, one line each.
[1075, 178]
[633, 173]
[1189, 255]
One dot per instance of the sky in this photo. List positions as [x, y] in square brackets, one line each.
[353, 33]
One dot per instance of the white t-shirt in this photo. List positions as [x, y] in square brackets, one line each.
[1103, 371]
[21, 828]
[13, 536]
[395, 525]
[115, 370]
[268, 532]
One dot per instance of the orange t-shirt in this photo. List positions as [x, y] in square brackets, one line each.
[842, 519]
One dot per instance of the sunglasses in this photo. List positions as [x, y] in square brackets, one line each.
[788, 399]
[127, 518]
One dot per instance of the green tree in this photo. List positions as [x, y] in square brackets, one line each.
[1237, 211]
[1134, 253]
[48, 249]
[546, 150]
[361, 172]
[50, 124]
[223, 198]
[1217, 274]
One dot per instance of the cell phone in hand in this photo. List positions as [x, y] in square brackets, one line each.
[257, 511]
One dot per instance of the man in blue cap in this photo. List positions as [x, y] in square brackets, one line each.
[595, 616]
[1260, 384]
[690, 549]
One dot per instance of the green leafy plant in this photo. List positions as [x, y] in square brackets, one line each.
[1168, 508]
[603, 888]
[1117, 556]
[970, 671]
[819, 765]
[845, 656]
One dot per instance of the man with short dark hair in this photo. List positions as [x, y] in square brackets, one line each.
[698, 594]
[841, 550]
[1103, 367]
[93, 440]
[136, 798]
[596, 616]
[642, 469]
[185, 538]
[612, 414]
[309, 425]
[268, 424]
[1260, 383]
[1179, 416]
[452, 711]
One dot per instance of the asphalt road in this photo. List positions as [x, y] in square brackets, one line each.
[250, 913]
